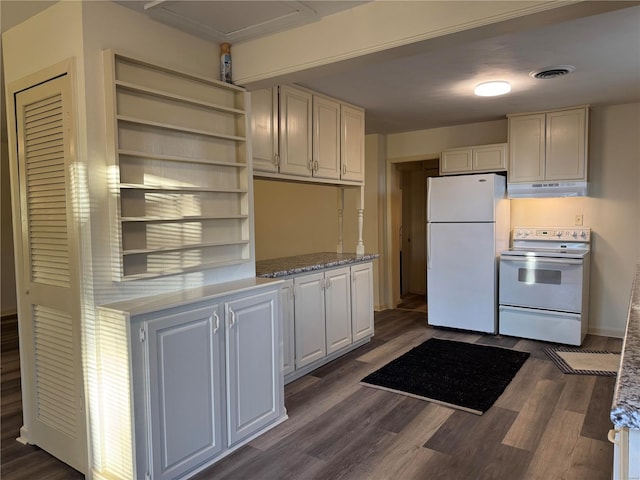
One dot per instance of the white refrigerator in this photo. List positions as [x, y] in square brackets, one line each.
[467, 227]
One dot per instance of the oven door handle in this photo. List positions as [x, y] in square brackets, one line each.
[551, 313]
[543, 260]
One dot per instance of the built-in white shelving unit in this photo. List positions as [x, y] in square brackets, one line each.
[181, 176]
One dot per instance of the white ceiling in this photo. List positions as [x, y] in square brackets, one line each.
[435, 88]
[237, 20]
[431, 85]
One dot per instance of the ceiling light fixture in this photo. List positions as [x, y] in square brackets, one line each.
[492, 89]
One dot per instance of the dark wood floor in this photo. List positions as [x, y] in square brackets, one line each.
[17, 461]
[546, 425]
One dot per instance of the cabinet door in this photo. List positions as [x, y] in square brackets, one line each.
[264, 129]
[295, 131]
[184, 358]
[362, 301]
[326, 138]
[352, 143]
[456, 160]
[288, 339]
[526, 148]
[490, 158]
[338, 308]
[254, 379]
[566, 145]
[309, 318]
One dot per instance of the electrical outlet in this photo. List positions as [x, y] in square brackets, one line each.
[578, 220]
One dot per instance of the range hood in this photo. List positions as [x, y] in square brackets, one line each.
[547, 189]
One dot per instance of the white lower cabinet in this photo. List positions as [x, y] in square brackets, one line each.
[184, 354]
[626, 453]
[332, 314]
[362, 301]
[254, 379]
[337, 301]
[309, 318]
[288, 335]
[204, 378]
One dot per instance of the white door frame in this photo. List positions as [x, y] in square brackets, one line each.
[392, 178]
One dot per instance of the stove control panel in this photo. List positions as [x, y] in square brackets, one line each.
[575, 234]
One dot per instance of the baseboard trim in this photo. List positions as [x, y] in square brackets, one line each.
[24, 436]
[606, 332]
[302, 371]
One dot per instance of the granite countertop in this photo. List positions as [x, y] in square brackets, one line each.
[625, 409]
[281, 267]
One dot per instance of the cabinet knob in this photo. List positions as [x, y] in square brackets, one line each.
[276, 160]
[344, 168]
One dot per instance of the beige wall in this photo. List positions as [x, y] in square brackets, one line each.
[298, 218]
[424, 144]
[7, 281]
[375, 31]
[85, 31]
[417, 146]
[612, 210]
[295, 218]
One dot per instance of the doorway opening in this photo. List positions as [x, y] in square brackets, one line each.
[409, 220]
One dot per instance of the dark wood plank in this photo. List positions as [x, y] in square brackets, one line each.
[339, 429]
[596, 425]
[474, 447]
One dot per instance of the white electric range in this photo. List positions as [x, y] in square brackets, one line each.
[544, 284]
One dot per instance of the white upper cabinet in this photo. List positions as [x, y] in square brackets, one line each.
[481, 158]
[326, 138]
[295, 131]
[566, 141]
[264, 129]
[549, 146]
[297, 134]
[352, 143]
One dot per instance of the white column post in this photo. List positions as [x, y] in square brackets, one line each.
[360, 245]
[339, 248]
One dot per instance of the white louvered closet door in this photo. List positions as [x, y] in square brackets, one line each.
[49, 294]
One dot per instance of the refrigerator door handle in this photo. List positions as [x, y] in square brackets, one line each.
[428, 246]
[429, 199]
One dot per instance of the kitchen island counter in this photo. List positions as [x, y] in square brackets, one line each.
[625, 410]
[285, 266]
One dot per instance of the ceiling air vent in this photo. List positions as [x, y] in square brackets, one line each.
[552, 72]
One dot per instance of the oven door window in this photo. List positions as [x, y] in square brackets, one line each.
[536, 275]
